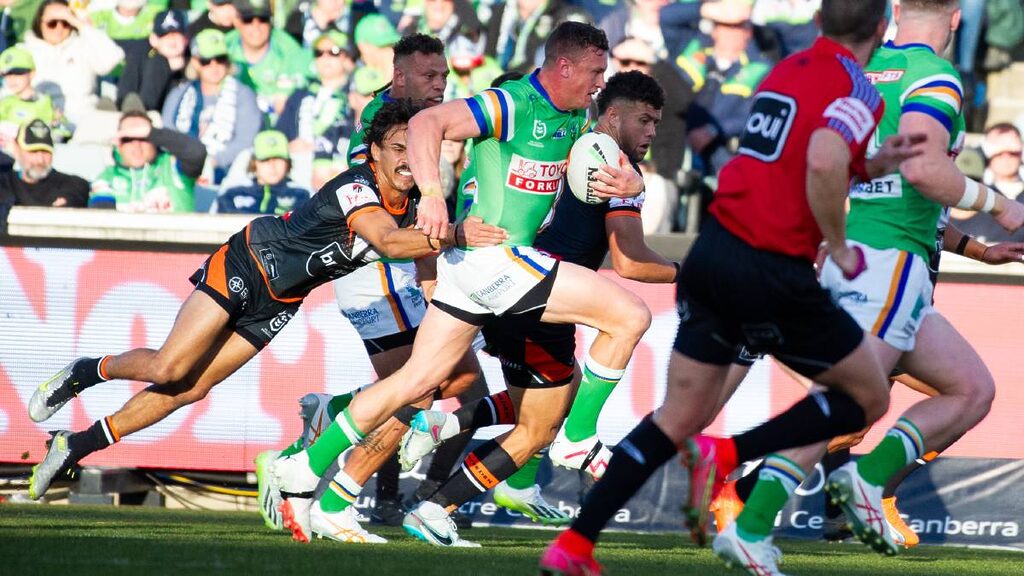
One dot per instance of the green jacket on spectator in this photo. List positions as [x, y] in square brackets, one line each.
[156, 187]
[138, 28]
[740, 79]
[280, 72]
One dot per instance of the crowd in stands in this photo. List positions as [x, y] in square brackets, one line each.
[248, 105]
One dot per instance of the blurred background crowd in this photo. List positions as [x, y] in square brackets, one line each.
[248, 105]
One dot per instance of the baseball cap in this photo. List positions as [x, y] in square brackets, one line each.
[337, 37]
[169, 21]
[270, 144]
[209, 44]
[729, 12]
[35, 137]
[250, 8]
[16, 60]
[376, 30]
[367, 80]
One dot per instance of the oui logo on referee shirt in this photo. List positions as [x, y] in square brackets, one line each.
[771, 118]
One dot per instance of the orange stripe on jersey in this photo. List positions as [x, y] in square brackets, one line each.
[216, 277]
[496, 116]
[480, 472]
[536, 274]
[890, 300]
[386, 291]
[263, 273]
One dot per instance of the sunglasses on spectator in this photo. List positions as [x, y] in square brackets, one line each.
[628, 62]
[223, 60]
[333, 51]
[1013, 153]
[130, 139]
[250, 19]
[53, 24]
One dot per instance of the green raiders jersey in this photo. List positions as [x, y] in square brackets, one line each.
[888, 212]
[356, 147]
[517, 164]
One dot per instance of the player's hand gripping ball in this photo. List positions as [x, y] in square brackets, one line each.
[585, 159]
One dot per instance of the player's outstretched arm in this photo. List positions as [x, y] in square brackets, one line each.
[938, 178]
[828, 182]
[448, 121]
[954, 240]
[631, 257]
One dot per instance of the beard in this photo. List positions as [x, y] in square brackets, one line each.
[37, 174]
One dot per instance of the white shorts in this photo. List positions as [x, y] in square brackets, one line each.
[381, 299]
[890, 299]
[490, 280]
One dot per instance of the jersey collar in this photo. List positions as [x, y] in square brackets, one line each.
[535, 82]
[892, 46]
[830, 46]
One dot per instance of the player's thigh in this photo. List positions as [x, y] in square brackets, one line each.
[915, 384]
[230, 352]
[441, 343]
[388, 362]
[196, 329]
[540, 410]
[862, 375]
[692, 396]
[581, 296]
[946, 361]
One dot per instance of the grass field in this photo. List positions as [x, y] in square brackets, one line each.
[85, 540]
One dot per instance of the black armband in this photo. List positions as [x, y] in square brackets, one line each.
[961, 246]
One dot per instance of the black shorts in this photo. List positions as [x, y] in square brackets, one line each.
[390, 342]
[533, 354]
[731, 295]
[231, 278]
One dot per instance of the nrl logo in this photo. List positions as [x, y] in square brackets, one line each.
[540, 129]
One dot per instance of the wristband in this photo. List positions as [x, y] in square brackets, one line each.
[961, 246]
[431, 190]
[971, 192]
[430, 242]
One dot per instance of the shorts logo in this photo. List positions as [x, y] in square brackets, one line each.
[535, 176]
[236, 284]
[771, 118]
[363, 317]
[279, 321]
[494, 289]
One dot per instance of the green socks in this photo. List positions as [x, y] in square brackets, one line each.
[779, 478]
[526, 476]
[597, 385]
[902, 445]
[341, 435]
[341, 493]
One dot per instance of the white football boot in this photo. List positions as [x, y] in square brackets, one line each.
[862, 504]
[297, 484]
[432, 524]
[589, 455]
[428, 429]
[340, 526]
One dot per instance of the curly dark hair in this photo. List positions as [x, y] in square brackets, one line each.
[634, 86]
[414, 43]
[569, 39]
[506, 77]
[392, 114]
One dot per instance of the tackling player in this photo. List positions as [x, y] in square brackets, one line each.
[523, 132]
[246, 292]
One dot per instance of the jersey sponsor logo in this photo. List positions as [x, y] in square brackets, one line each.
[890, 186]
[854, 114]
[535, 176]
[326, 258]
[353, 196]
[236, 284]
[771, 118]
[269, 263]
[884, 76]
[559, 134]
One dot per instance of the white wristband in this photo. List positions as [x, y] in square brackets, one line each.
[990, 200]
[971, 192]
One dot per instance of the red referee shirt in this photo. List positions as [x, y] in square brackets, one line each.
[762, 192]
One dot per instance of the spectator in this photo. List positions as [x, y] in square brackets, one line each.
[637, 19]
[313, 19]
[8, 37]
[154, 169]
[316, 118]
[518, 29]
[723, 76]
[791, 21]
[216, 108]
[220, 15]
[70, 55]
[37, 183]
[22, 103]
[1004, 171]
[600, 9]
[448, 20]
[268, 60]
[271, 192]
[472, 71]
[128, 20]
[366, 82]
[375, 39]
[153, 72]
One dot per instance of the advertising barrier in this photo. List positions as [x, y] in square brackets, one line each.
[57, 304]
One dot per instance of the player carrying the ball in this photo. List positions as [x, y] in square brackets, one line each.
[522, 135]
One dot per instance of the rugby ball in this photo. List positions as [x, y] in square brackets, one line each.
[585, 159]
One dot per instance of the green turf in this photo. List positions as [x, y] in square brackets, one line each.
[86, 540]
